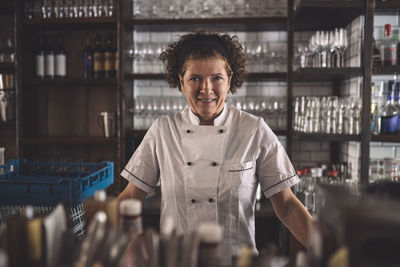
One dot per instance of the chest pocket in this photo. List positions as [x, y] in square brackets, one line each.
[242, 174]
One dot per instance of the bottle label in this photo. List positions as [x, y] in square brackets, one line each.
[39, 65]
[389, 124]
[61, 65]
[98, 62]
[49, 65]
[108, 61]
[389, 56]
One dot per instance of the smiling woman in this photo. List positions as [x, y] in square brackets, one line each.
[211, 157]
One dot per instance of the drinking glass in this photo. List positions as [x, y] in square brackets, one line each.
[190, 8]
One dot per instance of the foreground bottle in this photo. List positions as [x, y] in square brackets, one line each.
[388, 47]
[210, 242]
[390, 114]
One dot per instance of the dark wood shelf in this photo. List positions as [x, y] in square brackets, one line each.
[234, 23]
[7, 8]
[259, 76]
[389, 7]
[8, 124]
[326, 137]
[70, 82]
[385, 138]
[325, 74]
[84, 140]
[386, 70]
[69, 23]
[7, 67]
[325, 15]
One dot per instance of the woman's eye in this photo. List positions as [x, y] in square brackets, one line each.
[217, 78]
[194, 78]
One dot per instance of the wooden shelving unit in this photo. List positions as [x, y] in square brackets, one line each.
[326, 15]
[234, 23]
[84, 140]
[326, 137]
[7, 67]
[70, 82]
[325, 74]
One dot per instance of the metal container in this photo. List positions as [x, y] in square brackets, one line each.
[107, 122]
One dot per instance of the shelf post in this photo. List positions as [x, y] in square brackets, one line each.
[366, 65]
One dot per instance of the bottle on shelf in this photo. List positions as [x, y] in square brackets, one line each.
[109, 59]
[376, 57]
[39, 59]
[388, 47]
[88, 60]
[98, 55]
[49, 59]
[390, 114]
[60, 62]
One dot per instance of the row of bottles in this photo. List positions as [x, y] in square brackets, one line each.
[99, 62]
[385, 110]
[50, 58]
[387, 53]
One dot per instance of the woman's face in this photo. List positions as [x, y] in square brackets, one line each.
[205, 84]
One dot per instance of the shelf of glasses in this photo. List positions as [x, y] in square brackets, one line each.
[71, 23]
[325, 74]
[255, 76]
[326, 15]
[385, 138]
[234, 23]
[326, 137]
[386, 70]
[70, 82]
[65, 140]
[389, 7]
[7, 67]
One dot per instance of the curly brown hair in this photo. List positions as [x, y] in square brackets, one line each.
[174, 56]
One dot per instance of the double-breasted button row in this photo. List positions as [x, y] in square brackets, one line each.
[189, 163]
[190, 131]
[211, 200]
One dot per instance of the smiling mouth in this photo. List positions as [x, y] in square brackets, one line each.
[206, 100]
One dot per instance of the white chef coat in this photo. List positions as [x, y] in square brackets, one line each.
[211, 173]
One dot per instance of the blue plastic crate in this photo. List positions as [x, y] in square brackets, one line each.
[45, 184]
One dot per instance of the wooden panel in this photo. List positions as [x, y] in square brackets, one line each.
[67, 112]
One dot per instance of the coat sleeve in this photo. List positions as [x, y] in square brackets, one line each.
[143, 168]
[274, 169]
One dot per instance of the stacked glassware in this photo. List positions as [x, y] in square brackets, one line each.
[177, 9]
[327, 115]
[47, 9]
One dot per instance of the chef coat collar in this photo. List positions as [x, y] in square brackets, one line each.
[218, 121]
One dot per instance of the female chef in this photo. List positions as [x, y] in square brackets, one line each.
[211, 157]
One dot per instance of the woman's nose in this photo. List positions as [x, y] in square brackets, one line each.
[206, 86]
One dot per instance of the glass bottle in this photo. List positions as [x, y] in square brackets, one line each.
[130, 216]
[109, 54]
[49, 59]
[98, 55]
[60, 61]
[210, 235]
[88, 60]
[390, 114]
[388, 47]
[39, 59]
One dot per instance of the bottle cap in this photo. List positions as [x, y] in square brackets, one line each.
[100, 195]
[130, 207]
[210, 233]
